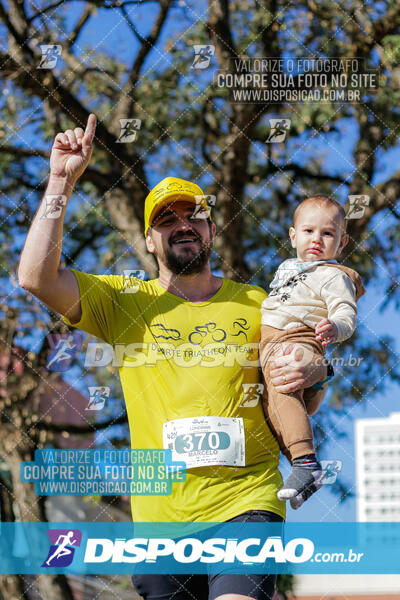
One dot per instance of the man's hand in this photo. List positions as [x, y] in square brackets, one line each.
[326, 332]
[295, 369]
[71, 151]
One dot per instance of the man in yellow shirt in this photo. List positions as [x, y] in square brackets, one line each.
[189, 368]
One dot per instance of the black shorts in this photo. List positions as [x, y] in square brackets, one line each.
[209, 587]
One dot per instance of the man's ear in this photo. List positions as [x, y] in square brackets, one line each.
[292, 235]
[213, 230]
[343, 242]
[149, 244]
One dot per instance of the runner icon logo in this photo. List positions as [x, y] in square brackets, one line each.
[251, 394]
[202, 56]
[357, 206]
[63, 347]
[330, 470]
[62, 547]
[50, 55]
[279, 129]
[98, 396]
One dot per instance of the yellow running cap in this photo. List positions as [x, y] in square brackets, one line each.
[171, 189]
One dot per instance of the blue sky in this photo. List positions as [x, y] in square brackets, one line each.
[324, 506]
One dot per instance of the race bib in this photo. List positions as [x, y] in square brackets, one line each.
[206, 441]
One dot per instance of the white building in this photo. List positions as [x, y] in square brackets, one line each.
[377, 452]
[377, 443]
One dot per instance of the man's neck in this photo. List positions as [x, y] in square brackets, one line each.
[197, 287]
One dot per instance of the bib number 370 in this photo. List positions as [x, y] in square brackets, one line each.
[206, 441]
[212, 440]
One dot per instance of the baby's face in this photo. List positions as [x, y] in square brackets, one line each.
[318, 233]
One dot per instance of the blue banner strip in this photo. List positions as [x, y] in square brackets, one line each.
[102, 548]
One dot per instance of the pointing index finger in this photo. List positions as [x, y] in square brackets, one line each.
[90, 129]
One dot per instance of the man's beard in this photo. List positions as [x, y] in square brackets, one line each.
[189, 264]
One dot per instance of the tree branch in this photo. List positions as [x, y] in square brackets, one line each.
[388, 24]
[15, 24]
[44, 10]
[131, 26]
[125, 105]
[269, 32]
[220, 32]
[231, 179]
[270, 169]
[117, 3]
[19, 182]
[44, 84]
[85, 16]
[87, 241]
[101, 180]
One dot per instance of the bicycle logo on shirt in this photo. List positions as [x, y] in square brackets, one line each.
[202, 332]
[210, 331]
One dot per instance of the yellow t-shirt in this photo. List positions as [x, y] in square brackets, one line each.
[209, 350]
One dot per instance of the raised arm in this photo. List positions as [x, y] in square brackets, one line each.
[39, 267]
[339, 295]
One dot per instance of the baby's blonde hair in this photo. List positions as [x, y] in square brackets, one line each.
[321, 200]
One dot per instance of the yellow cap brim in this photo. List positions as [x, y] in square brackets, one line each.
[169, 199]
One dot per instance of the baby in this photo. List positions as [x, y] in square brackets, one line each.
[313, 303]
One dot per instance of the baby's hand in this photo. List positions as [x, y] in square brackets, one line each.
[326, 332]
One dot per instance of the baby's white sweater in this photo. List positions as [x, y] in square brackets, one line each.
[320, 293]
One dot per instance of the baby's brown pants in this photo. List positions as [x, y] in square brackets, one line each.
[287, 414]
